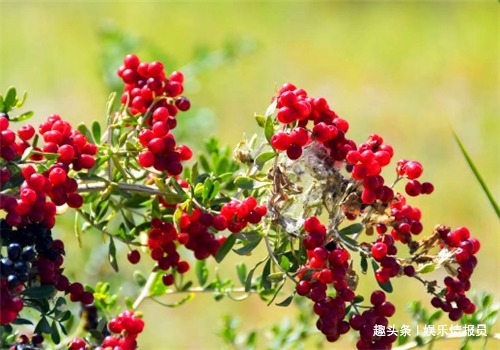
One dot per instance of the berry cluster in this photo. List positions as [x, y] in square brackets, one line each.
[146, 85]
[455, 302]
[162, 153]
[292, 143]
[235, 215]
[327, 264]
[412, 170]
[366, 323]
[33, 258]
[329, 129]
[148, 90]
[74, 152]
[196, 235]
[368, 161]
[126, 326]
[163, 250]
[405, 220]
[384, 246]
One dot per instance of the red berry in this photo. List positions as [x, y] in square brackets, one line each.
[294, 151]
[379, 251]
[134, 256]
[280, 141]
[26, 132]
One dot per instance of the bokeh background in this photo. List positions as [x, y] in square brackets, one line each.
[408, 71]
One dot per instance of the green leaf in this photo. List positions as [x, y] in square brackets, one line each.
[285, 263]
[96, 131]
[364, 264]
[269, 129]
[261, 120]
[41, 292]
[56, 338]
[358, 299]
[85, 131]
[139, 278]
[264, 157]
[20, 101]
[10, 99]
[247, 249]
[225, 248]
[194, 173]
[427, 268]
[348, 239]
[244, 182]
[287, 301]
[204, 163]
[112, 254]
[241, 271]
[477, 175]
[351, 229]
[248, 282]
[387, 286]
[43, 326]
[201, 272]
[207, 188]
[24, 116]
[22, 321]
[265, 282]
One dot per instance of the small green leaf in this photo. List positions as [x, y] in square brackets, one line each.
[112, 254]
[194, 173]
[43, 326]
[22, 321]
[349, 240]
[269, 129]
[139, 278]
[24, 116]
[247, 249]
[285, 263]
[275, 277]
[351, 229]
[56, 338]
[244, 182]
[358, 299]
[20, 101]
[225, 248]
[41, 292]
[10, 99]
[427, 268]
[261, 120]
[96, 131]
[241, 271]
[364, 264]
[84, 130]
[248, 282]
[264, 157]
[287, 301]
[207, 188]
[201, 272]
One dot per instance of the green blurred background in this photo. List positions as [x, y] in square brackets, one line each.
[408, 71]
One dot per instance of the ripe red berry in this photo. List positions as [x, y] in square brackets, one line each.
[134, 256]
[294, 151]
[413, 169]
[280, 141]
[26, 132]
[379, 251]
